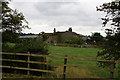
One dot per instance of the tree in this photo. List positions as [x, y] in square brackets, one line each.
[12, 19]
[12, 22]
[9, 36]
[112, 10]
[44, 37]
[111, 48]
[96, 38]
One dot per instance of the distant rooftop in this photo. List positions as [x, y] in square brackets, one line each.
[28, 36]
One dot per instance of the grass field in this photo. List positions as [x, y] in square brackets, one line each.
[73, 52]
[78, 52]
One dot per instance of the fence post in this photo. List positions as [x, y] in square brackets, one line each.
[64, 69]
[119, 69]
[28, 59]
[112, 66]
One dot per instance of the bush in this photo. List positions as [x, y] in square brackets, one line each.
[33, 46]
[74, 40]
[10, 36]
[7, 47]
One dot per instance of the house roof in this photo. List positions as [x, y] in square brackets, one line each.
[28, 36]
[50, 34]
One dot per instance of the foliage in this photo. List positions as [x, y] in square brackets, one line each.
[111, 48]
[12, 19]
[24, 34]
[6, 47]
[44, 37]
[9, 36]
[32, 46]
[112, 10]
[74, 40]
[96, 38]
[12, 23]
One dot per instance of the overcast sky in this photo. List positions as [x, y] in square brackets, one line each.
[45, 15]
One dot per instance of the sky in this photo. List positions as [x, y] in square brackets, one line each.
[45, 15]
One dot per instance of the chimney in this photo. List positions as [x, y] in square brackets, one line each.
[54, 30]
[70, 29]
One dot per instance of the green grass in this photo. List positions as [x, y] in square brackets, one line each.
[78, 52]
[11, 44]
[73, 52]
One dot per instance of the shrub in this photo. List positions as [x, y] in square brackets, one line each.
[10, 36]
[33, 46]
[74, 40]
[7, 47]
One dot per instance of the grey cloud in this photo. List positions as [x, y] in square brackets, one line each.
[59, 13]
[57, 8]
[41, 13]
[67, 13]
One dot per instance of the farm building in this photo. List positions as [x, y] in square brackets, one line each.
[60, 37]
[56, 36]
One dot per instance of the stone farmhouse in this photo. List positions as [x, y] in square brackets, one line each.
[56, 37]
[60, 37]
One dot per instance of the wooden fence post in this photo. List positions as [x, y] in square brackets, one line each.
[28, 72]
[118, 71]
[64, 69]
[112, 66]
